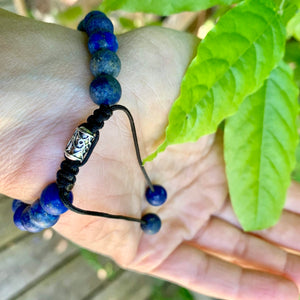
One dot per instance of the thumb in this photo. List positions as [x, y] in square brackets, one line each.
[154, 61]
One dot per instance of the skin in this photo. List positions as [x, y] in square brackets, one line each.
[44, 81]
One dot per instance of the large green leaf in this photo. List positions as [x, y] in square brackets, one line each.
[232, 62]
[162, 7]
[260, 143]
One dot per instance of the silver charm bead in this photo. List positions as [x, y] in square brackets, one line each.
[79, 145]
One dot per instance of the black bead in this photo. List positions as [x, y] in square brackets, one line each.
[66, 175]
[95, 122]
[70, 166]
[103, 113]
[65, 186]
[62, 182]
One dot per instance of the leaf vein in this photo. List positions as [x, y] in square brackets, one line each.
[239, 58]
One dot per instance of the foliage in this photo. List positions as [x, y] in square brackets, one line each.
[238, 75]
[231, 63]
[163, 290]
[161, 7]
[109, 268]
[266, 119]
[69, 16]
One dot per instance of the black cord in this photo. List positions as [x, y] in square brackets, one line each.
[135, 141]
[66, 176]
[78, 210]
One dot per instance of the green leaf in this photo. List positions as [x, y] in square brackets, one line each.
[127, 23]
[162, 7]
[72, 14]
[232, 62]
[260, 143]
[293, 27]
[288, 12]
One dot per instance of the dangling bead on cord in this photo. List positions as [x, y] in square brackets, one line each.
[105, 91]
[157, 196]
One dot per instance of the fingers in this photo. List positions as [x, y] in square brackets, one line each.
[293, 197]
[206, 274]
[222, 238]
[286, 232]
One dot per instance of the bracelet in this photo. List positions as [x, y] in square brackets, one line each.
[105, 91]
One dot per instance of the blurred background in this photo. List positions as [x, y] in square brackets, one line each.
[70, 12]
[45, 266]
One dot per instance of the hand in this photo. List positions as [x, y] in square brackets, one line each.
[201, 245]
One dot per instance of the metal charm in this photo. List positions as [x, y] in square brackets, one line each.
[80, 144]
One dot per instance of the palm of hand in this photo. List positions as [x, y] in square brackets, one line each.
[111, 181]
[197, 215]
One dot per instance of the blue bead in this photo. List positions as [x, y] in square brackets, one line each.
[81, 26]
[40, 217]
[105, 89]
[152, 225]
[17, 216]
[16, 204]
[50, 200]
[27, 222]
[98, 23]
[102, 40]
[105, 61]
[156, 197]
[92, 14]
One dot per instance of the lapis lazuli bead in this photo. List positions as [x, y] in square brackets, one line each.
[105, 61]
[81, 26]
[102, 40]
[17, 215]
[40, 217]
[92, 14]
[99, 23]
[156, 197]
[16, 204]
[105, 89]
[152, 223]
[50, 200]
[27, 221]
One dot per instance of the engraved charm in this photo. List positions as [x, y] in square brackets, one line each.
[80, 144]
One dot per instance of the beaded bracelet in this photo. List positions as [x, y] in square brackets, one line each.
[105, 91]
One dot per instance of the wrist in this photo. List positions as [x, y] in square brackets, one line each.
[44, 96]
